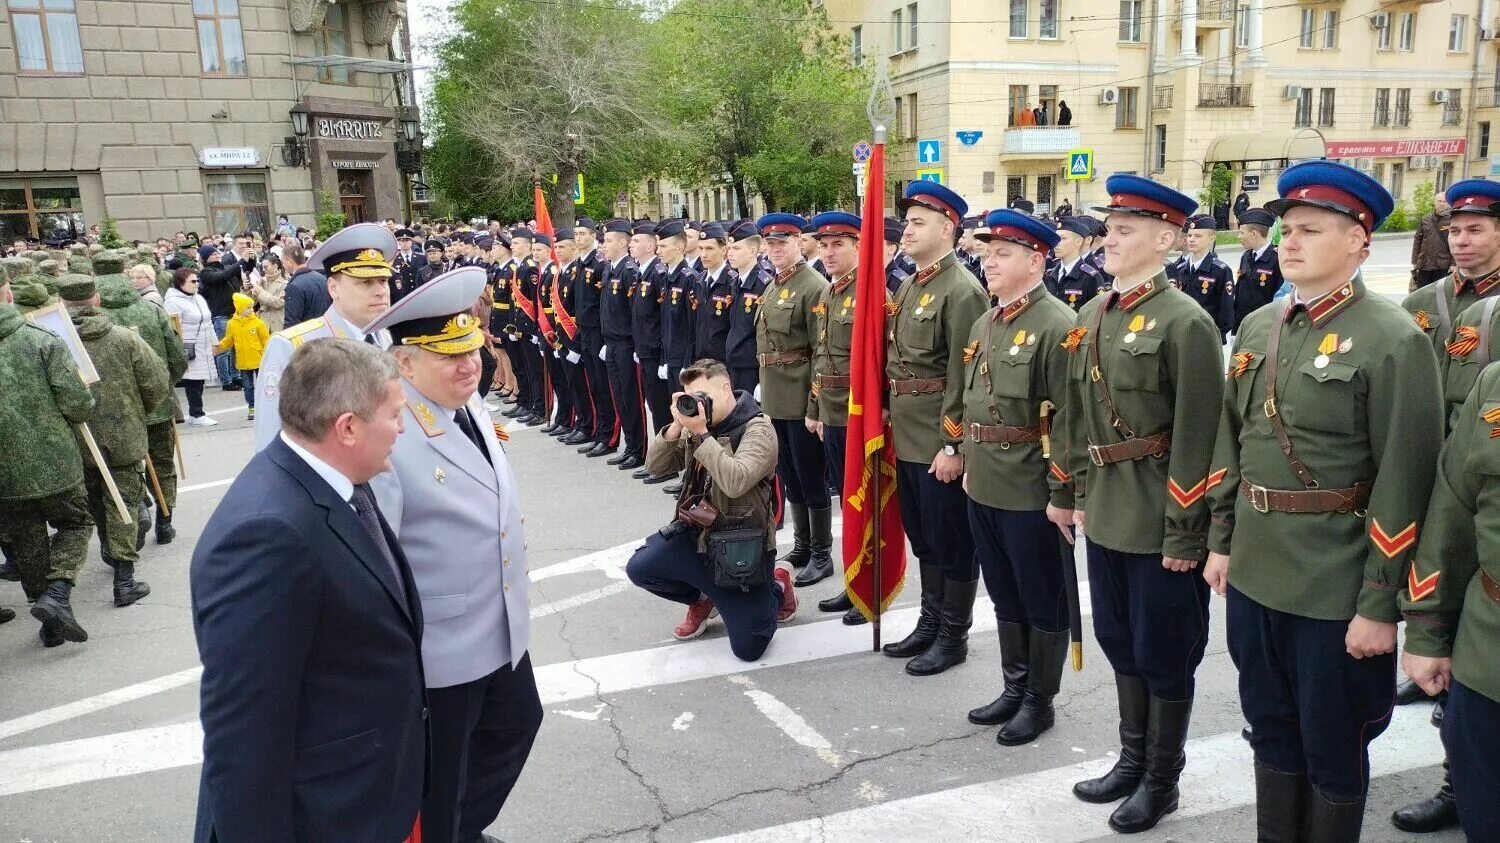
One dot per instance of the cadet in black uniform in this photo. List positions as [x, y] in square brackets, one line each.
[677, 304]
[645, 321]
[559, 417]
[1075, 279]
[1260, 271]
[406, 266]
[588, 294]
[619, 343]
[1202, 275]
[713, 296]
[750, 283]
[525, 312]
[898, 265]
[565, 302]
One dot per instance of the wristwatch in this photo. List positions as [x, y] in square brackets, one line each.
[950, 450]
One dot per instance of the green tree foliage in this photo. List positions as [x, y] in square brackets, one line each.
[329, 218]
[109, 234]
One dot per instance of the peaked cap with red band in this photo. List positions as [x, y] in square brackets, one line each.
[1019, 228]
[780, 225]
[1333, 187]
[1131, 194]
[934, 197]
[835, 224]
[1475, 196]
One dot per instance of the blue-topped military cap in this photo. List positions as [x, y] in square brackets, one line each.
[779, 226]
[617, 225]
[1201, 222]
[644, 227]
[835, 224]
[1257, 216]
[1333, 187]
[934, 197]
[1129, 194]
[893, 229]
[363, 250]
[1078, 224]
[436, 316]
[1475, 196]
[1019, 228]
[670, 228]
[743, 230]
[542, 237]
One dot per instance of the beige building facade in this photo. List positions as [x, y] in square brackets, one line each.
[201, 115]
[1167, 88]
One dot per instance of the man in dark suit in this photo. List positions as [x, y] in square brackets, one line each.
[307, 295]
[309, 623]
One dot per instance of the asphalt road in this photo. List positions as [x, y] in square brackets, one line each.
[645, 738]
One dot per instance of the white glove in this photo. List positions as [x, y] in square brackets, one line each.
[635, 357]
[573, 357]
[536, 341]
[757, 392]
[604, 352]
[557, 352]
[661, 371]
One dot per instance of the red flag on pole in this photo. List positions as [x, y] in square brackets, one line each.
[874, 543]
[544, 225]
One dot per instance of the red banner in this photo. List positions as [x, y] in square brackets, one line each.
[1393, 147]
[543, 225]
[874, 543]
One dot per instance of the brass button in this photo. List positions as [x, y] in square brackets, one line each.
[505, 561]
[507, 586]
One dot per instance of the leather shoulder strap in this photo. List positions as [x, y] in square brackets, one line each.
[1096, 374]
[1444, 310]
[1273, 413]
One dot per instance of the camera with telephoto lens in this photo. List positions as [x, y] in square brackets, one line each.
[688, 403]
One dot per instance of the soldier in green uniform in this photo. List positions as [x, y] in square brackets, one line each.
[828, 400]
[1437, 306]
[929, 326]
[1146, 392]
[1016, 382]
[1320, 476]
[41, 477]
[125, 307]
[785, 328]
[132, 384]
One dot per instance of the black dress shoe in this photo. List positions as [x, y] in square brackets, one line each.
[633, 461]
[653, 479]
[514, 412]
[1409, 692]
[640, 474]
[837, 603]
[674, 489]
[555, 429]
[574, 438]
[853, 617]
[618, 458]
[7, 615]
[1434, 814]
[598, 449]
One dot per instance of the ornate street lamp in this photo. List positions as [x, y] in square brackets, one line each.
[294, 146]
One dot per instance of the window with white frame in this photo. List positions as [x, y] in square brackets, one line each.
[1458, 26]
[1407, 34]
[1130, 21]
[1048, 16]
[1018, 18]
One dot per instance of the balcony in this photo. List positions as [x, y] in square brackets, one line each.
[1224, 96]
[1212, 14]
[1161, 98]
[1040, 140]
[1487, 97]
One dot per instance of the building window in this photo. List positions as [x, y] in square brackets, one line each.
[1308, 38]
[48, 209]
[1382, 24]
[237, 202]
[1015, 187]
[1049, 18]
[1304, 108]
[1457, 26]
[1453, 108]
[857, 48]
[1130, 21]
[1325, 106]
[333, 40]
[911, 26]
[1044, 193]
[1398, 173]
[897, 32]
[1018, 18]
[1018, 102]
[1159, 148]
[1242, 26]
[1330, 29]
[1382, 106]
[1046, 100]
[1408, 33]
[1484, 139]
[1444, 176]
[911, 116]
[221, 44]
[1402, 116]
[46, 34]
[1378, 173]
[1125, 110]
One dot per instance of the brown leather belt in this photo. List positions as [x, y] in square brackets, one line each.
[833, 381]
[919, 386]
[1491, 587]
[1155, 445]
[1003, 434]
[1353, 499]
[785, 358]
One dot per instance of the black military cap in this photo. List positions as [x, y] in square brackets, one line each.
[617, 225]
[971, 223]
[1025, 206]
[484, 241]
[715, 231]
[670, 228]
[1257, 216]
[893, 229]
[522, 233]
[743, 230]
[809, 228]
[1201, 222]
[434, 244]
[563, 234]
[585, 222]
[403, 234]
[1078, 224]
[644, 227]
[541, 237]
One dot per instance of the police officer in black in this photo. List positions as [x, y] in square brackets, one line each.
[619, 343]
[645, 321]
[1202, 275]
[713, 295]
[527, 309]
[406, 264]
[588, 293]
[1260, 270]
[968, 247]
[677, 326]
[1074, 278]
[750, 283]
[898, 265]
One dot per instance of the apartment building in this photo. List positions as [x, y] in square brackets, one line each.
[1406, 91]
[202, 115]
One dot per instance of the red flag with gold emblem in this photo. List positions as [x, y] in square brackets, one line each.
[543, 225]
[874, 543]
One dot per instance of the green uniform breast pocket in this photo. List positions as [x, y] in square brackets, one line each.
[778, 317]
[840, 332]
[1011, 374]
[920, 331]
[1462, 372]
[1139, 365]
[1327, 398]
[1251, 395]
[1484, 449]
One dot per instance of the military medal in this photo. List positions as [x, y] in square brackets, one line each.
[1136, 324]
[1347, 344]
[785, 294]
[1031, 339]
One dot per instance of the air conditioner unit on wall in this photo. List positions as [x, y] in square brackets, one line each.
[1417, 162]
[1364, 165]
[1109, 96]
[1292, 92]
[1440, 96]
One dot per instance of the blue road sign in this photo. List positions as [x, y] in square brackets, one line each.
[969, 138]
[863, 151]
[929, 151]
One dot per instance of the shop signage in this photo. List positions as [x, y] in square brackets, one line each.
[355, 165]
[347, 128]
[1394, 148]
[229, 156]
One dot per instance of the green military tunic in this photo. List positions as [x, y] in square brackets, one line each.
[932, 314]
[785, 325]
[1469, 350]
[827, 403]
[1436, 307]
[1158, 352]
[1452, 596]
[1356, 390]
[1014, 361]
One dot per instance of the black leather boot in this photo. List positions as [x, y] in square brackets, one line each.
[801, 529]
[7, 615]
[55, 607]
[1409, 692]
[127, 588]
[1433, 814]
[142, 525]
[820, 548]
[50, 636]
[1048, 653]
[952, 645]
[1326, 821]
[165, 532]
[1013, 666]
[1156, 795]
[838, 603]
[927, 619]
[9, 572]
[1278, 805]
[1122, 778]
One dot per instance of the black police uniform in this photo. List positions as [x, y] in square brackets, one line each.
[677, 325]
[1077, 284]
[588, 293]
[1258, 281]
[619, 344]
[1210, 283]
[740, 349]
[713, 305]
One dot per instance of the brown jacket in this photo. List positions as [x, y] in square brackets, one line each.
[736, 473]
[1429, 249]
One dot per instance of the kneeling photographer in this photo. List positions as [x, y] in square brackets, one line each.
[718, 554]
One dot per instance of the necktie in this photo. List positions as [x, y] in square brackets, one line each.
[369, 517]
[370, 338]
[466, 424]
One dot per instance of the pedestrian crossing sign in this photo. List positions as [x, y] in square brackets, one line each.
[933, 175]
[1080, 164]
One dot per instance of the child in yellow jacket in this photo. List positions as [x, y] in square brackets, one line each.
[247, 334]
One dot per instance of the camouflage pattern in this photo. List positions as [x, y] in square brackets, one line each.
[161, 447]
[30, 294]
[44, 399]
[116, 534]
[124, 306]
[36, 256]
[79, 265]
[132, 383]
[14, 267]
[78, 249]
[40, 556]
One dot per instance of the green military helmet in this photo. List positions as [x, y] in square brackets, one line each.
[80, 265]
[108, 263]
[74, 288]
[30, 294]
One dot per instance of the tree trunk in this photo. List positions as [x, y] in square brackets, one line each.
[740, 198]
[560, 196]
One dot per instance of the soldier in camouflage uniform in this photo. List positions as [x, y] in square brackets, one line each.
[1146, 389]
[929, 327]
[132, 384]
[125, 307]
[41, 477]
[1317, 489]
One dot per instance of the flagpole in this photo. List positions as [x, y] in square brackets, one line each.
[880, 108]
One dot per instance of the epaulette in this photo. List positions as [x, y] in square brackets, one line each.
[1088, 267]
[530, 262]
[425, 418]
[297, 334]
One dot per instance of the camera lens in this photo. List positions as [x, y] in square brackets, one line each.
[687, 405]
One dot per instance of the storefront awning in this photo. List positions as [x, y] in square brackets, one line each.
[357, 63]
[1266, 146]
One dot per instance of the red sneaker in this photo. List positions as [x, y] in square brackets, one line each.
[788, 596]
[696, 621]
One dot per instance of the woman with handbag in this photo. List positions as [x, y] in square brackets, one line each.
[198, 340]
